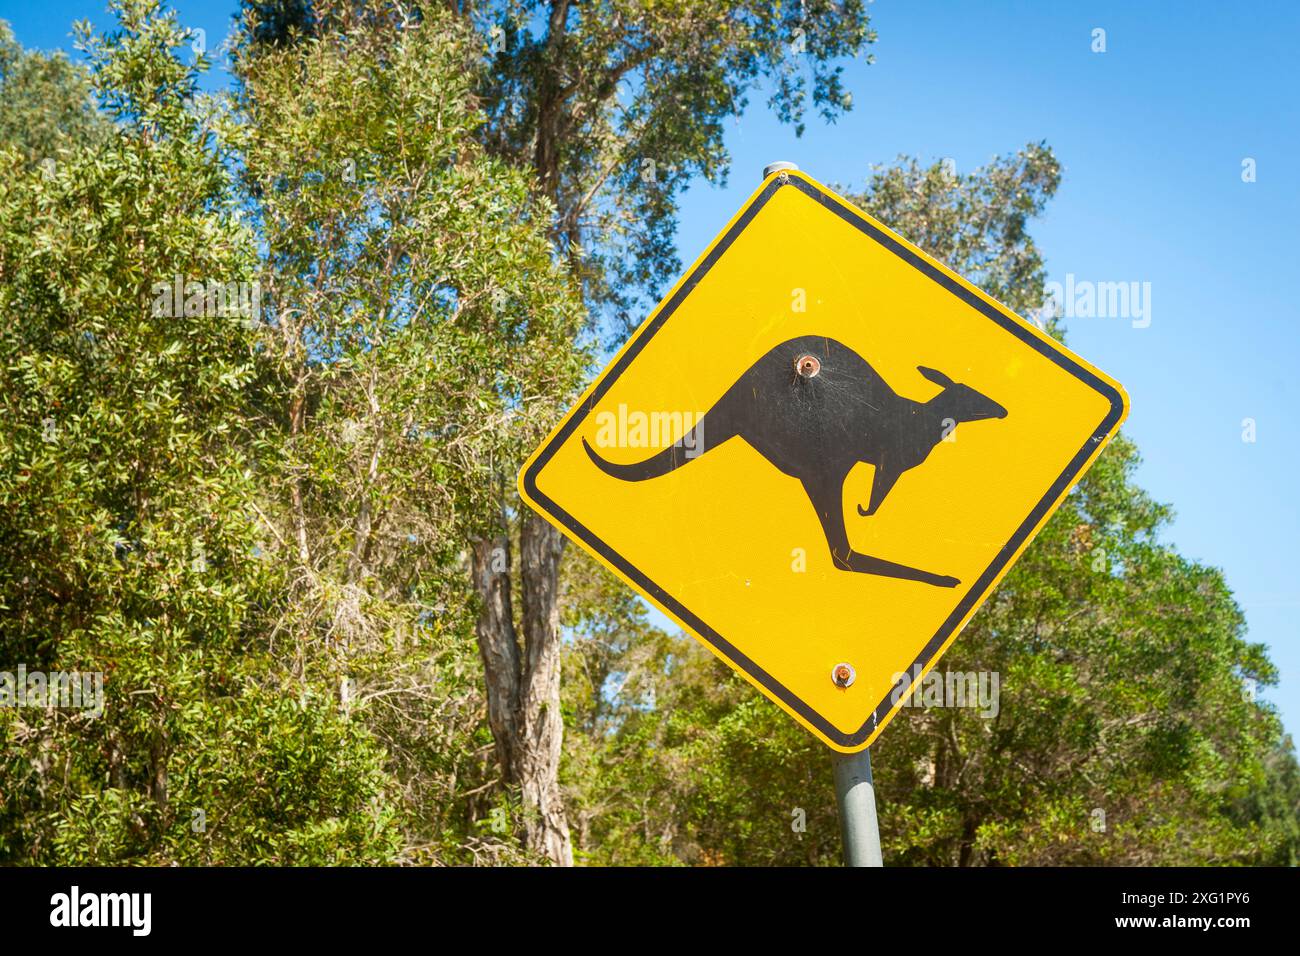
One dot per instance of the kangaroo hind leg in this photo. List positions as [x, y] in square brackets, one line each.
[866, 564]
[827, 497]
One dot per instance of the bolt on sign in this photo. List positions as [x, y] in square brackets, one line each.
[821, 453]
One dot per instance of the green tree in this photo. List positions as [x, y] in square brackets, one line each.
[128, 530]
[45, 103]
[611, 107]
[421, 336]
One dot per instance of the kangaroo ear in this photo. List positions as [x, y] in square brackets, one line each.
[937, 377]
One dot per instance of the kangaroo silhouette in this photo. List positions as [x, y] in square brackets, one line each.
[814, 408]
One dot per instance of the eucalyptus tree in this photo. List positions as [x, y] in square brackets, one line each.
[419, 331]
[611, 108]
[614, 106]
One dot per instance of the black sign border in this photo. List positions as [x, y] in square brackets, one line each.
[973, 597]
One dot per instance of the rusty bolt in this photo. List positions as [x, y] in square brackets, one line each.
[843, 675]
[807, 365]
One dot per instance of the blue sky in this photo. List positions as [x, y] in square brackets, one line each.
[1152, 134]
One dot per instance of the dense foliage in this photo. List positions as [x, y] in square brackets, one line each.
[128, 492]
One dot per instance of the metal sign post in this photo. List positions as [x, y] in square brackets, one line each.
[855, 793]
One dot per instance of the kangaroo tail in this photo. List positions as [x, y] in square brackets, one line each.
[688, 447]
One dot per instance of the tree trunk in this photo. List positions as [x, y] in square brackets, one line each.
[540, 549]
[523, 687]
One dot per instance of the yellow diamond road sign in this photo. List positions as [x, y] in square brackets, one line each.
[820, 453]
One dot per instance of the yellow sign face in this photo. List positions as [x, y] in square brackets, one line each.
[820, 453]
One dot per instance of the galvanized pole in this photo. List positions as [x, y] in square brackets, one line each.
[856, 795]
